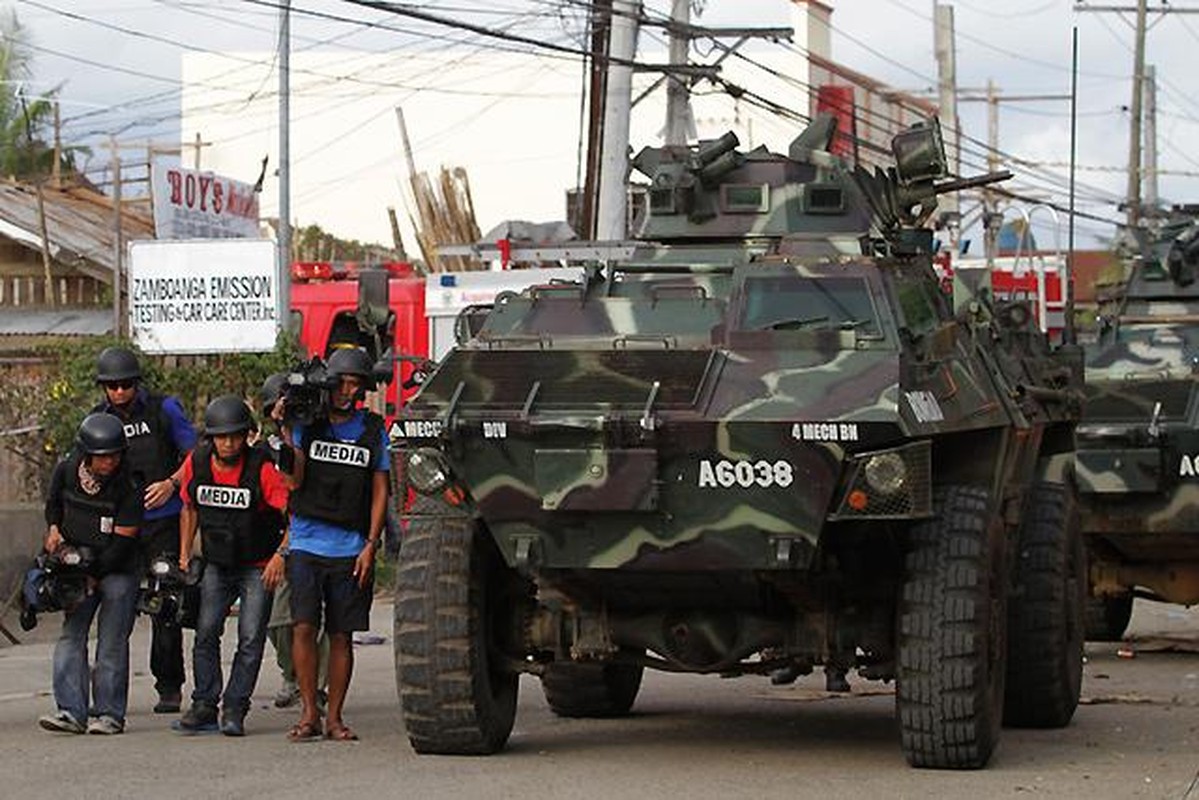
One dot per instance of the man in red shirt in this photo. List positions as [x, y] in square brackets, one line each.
[236, 498]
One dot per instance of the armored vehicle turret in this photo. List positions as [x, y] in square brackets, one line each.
[758, 442]
[1137, 464]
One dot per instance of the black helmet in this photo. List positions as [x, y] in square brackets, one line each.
[272, 390]
[101, 434]
[228, 414]
[351, 361]
[117, 364]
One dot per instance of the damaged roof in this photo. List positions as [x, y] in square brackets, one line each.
[79, 225]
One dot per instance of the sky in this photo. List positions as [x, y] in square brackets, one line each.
[117, 64]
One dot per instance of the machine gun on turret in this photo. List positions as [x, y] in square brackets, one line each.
[905, 195]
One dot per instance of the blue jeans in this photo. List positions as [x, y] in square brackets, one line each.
[116, 599]
[218, 589]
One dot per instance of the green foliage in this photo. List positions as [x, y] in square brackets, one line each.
[312, 243]
[71, 390]
[25, 123]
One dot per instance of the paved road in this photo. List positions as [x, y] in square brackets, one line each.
[693, 736]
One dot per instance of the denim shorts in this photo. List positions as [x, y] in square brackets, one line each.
[328, 583]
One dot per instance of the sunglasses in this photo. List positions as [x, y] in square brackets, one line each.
[119, 384]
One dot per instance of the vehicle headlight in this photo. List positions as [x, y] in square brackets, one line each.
[71, 558]
[886, 473]
[160, 567]
[427, 470]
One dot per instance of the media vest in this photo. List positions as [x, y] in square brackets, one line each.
[152, 455]
[338, 476]
[236, 526]
[90, 520]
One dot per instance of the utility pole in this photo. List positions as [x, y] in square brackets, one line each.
[283, 268]
[1134, 124]
[678, 104]
[992, 97]
[623, 19]
[601, 25]
[117, 245]
[611, 208]
[1140, 27]
[39, 180]
[1151, 139]
[947, 91]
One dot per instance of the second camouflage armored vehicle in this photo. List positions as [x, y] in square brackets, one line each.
[761, 441]
[1137, 465]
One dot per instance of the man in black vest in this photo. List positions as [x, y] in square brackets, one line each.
[93, 504]
[235, 496]
[338, 504]
[159, 434]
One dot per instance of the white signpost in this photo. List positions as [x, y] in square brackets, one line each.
[203, 296]
[189, 204]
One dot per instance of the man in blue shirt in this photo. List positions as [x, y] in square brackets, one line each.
[159, 435]
[338, 504]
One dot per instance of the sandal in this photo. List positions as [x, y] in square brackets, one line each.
[340, 733]
[304, 732]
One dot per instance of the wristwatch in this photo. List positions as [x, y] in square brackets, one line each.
[372, 543]
[284, 551]
[174, 482]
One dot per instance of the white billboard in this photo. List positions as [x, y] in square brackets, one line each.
[189, 204]
[203, 296]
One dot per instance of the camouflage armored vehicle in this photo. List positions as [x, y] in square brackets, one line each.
[761, 440]
[1137, 465]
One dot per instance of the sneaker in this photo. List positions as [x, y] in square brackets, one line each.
[784, 676]
[61, 722]
[105, 725]
[169, 702]
[199, 717]
[233, 723]
[835, 680]
[288, 695]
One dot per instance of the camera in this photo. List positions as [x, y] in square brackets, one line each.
[56, 582]
[306, 392]
[170, 594]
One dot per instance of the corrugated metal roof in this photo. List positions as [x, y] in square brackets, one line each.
[79, 224]
[62, 322]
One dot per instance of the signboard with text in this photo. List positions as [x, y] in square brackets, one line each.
[203, 296]
[189, 204]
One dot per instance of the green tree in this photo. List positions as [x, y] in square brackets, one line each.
[25, 122]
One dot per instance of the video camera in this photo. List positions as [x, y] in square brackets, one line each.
[306, 392]
[56, 582]
[170, 594]
[309, 385]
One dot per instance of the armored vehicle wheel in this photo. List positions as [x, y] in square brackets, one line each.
[1045, 614]
[949, 697]
[455, 697]
[1108, 616]
[591, 690]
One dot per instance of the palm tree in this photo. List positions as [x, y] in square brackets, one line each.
[24, 121]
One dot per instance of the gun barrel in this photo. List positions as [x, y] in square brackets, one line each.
[711, 150]
[973, 183]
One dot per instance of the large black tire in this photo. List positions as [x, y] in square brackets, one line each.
[1107, 617]
[591, 690]
[949, 697]
[1046, 613]
[456, 695]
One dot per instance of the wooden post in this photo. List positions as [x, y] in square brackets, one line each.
[116, 237]
[51, 300]
[56, 167]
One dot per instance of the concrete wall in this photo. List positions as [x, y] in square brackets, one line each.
[22, 529]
